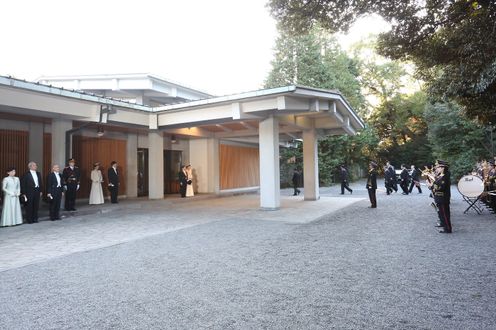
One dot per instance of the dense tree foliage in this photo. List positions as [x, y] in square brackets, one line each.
[451, 42]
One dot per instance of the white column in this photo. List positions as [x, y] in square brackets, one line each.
[36, 145]
[270, 198]
[213, 165]
[155, 165]
[132, 165]
[310, 165]
[204, 158]
[59, 127]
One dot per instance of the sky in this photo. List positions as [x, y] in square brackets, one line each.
[218, 46]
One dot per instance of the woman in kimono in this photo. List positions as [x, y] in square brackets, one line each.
[96, 193]
[11, 211]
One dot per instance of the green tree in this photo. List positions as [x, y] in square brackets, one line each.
[451, 42]
[456, 139]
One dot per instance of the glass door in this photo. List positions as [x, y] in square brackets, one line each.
[142, 172]
[172, 166]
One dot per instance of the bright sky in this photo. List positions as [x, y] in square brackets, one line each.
[218, 46]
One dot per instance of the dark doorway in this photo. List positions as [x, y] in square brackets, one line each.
[172, 165]
[142, 172]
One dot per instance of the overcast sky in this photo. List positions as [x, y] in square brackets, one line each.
[218, 46]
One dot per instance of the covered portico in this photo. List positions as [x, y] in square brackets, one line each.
[268, 118]
[248, 128]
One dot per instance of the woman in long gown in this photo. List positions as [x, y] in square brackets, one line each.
[11, 211]
[96, 193]
[189, 188]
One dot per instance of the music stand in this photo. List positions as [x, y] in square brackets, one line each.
[471, 188]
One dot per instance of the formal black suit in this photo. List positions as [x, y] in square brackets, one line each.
[183, 181]
[372, 187]
[72, 178]
[113, 178]
[55, 189]
[32, 193]
[405, 177]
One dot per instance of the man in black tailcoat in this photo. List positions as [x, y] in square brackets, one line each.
[113, 178]
[343, 174]
[183, 181]
[31, 190]
[55, 191]
[405, 179]
[71, 177]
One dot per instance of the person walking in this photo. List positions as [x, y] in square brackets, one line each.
[296, 181]
[343, 173]
[415, 179]
[372, 184]
[96, 192]
[31, 189]
[11, 210]
[404, 177]
[113, 185]
[71, 177]
[55, 191]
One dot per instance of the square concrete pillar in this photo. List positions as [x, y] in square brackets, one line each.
[270, 198]
[59, 127]
[155, 165]
[310, 165]
[35, 151]
[204, 158]
[132, 165]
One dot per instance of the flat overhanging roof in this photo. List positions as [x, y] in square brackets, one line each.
[296, 107]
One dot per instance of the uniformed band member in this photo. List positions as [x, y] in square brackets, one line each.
[372, 184]
[71, 177]
[490, 182]
[343, 173]
[441, 191]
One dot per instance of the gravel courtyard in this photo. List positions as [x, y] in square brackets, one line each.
[355, 268]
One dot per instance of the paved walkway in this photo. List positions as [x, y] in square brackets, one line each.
[221, 264]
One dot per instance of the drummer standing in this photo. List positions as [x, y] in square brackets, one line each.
[441, 191]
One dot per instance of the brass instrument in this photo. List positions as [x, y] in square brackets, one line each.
[429, 173]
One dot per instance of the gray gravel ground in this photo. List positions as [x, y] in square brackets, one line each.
[357, 268]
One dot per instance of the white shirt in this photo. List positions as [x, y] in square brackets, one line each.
[35, 178]
[57, 175]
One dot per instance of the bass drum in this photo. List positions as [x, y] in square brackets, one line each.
[471, 186]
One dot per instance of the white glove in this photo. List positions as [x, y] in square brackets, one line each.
[77, 188]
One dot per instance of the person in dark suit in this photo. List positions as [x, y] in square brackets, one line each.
[296, 181]
[405, 179]
[415, 176]
[372, 184]
[71, 177]
[55, 191]
[113, 185]
[31, 190]
[343, 174]
[183, 181]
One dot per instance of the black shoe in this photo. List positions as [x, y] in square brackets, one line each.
[443, 231]
[73, 209]
[294, 194]
[342, 194]
[35, 221]
[351, 192]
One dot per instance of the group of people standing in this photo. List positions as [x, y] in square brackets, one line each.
[28, 190]
[185, 176]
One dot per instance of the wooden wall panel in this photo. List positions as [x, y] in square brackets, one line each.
[239, 167]
[14, 151]
[47, 154]
[88, 150]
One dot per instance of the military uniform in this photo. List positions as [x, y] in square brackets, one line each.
[441, 192]
[71, 177]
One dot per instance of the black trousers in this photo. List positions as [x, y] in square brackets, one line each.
[55, 205]
[182, 189]
[32, 205]
[114, 191]
[404, 186]
[444, 213]
[70, 196]
[295, 189]
[413, 185]
[344, 185]
[372, 197]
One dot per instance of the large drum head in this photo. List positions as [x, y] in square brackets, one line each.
[471, 186]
